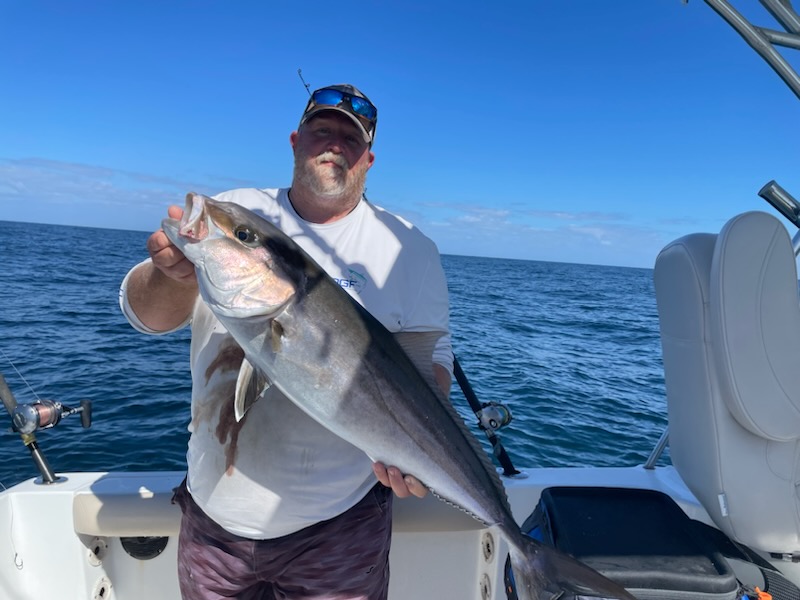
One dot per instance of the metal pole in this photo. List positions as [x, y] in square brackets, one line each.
[784, 14]
[29, 439]
[760, 41]
[786, 204]
[658, 450]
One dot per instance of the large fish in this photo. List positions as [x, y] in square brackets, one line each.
[303, 333]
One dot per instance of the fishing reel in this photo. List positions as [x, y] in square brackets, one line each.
[493, 415]
[44, 414]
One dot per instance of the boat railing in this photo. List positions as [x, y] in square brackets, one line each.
[787, 205]
[764, 40]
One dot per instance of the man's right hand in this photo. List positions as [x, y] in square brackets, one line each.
[162, 293]
[166, 256]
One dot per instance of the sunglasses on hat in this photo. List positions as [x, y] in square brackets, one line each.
[330, 97]
[361, 110]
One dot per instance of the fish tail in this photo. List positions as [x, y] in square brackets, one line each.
[544, 573]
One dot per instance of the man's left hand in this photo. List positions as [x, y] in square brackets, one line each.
[403, 486]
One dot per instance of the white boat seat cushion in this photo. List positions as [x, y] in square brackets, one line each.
[730, 333]
[755, 321]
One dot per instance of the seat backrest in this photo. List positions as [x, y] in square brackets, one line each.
[730, 331]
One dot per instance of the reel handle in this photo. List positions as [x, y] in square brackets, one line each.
[44, 414]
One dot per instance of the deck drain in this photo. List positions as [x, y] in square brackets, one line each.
[98, 548]
[102, 589]
[486, 587]
[487, 545]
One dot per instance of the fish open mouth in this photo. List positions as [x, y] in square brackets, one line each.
[193, 225]
[238, 280]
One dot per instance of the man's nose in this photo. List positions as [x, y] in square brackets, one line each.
[336, 143]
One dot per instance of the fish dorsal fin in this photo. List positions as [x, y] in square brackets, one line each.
[250, 386]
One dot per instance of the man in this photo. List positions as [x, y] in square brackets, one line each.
[275, 506]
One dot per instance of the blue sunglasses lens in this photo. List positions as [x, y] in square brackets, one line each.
[335, 98]
[362, 107]
[328, 97]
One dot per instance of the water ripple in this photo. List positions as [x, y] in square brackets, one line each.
[573, 349]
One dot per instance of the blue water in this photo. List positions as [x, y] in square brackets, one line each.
[572, 349]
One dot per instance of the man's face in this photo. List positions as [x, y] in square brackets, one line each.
[331, 156]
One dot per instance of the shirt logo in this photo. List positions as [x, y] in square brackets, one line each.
[354, 281]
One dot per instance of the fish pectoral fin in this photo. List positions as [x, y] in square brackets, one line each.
[251, 385]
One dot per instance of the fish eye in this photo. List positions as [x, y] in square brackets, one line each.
[246, 236]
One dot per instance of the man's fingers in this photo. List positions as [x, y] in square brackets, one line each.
[398, 483]
[402, 485]
[380, 472]
[168, 259]
[158, 242]
[415, 486]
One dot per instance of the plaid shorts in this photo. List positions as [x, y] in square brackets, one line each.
[344, 558]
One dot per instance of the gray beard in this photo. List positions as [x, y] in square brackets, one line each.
[341, 188]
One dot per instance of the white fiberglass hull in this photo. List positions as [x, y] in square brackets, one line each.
[64, 539]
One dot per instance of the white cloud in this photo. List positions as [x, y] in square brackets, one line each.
[37, 189]
[67, 193]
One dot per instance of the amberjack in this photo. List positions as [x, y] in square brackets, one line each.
[300, 331]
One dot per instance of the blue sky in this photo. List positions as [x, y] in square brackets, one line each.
[565, 130]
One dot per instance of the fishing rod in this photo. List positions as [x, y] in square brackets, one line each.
[26, 419]
[29, 439]
[305, 85]
[491, 417]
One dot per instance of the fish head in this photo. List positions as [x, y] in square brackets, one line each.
[237, 273]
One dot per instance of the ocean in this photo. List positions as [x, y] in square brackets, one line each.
[572, 350]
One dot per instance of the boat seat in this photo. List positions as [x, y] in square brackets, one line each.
[730, 331]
